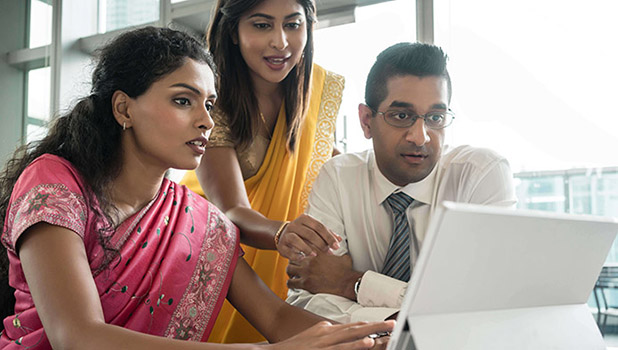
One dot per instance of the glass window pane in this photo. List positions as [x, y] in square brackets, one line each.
[351, 49]
[35, 132]
[527, 76]
[118, 14]
[581, 192]
[541, 193]
[39, 86]
[40, 23]
[595, 193]
[606, 195]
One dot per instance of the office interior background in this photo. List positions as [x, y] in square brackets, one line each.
[532, 79]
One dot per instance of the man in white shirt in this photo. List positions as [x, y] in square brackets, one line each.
[406, 112]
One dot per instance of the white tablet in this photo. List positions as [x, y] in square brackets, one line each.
[495, 278]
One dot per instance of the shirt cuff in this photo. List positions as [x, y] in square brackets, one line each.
[337, 308]
[377, 290]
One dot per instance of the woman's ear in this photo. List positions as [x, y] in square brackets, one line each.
[120, 104]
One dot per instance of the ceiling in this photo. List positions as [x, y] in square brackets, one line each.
[195, 14]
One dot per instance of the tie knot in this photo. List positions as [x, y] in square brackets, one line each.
[399, 201]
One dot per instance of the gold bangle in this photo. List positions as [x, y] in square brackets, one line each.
[279, 232]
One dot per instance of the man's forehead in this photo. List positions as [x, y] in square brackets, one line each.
[409, 105]
[410, 90]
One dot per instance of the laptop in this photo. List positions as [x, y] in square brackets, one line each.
[496, 278]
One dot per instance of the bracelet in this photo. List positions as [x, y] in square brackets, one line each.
[279, 232]
[357, 287]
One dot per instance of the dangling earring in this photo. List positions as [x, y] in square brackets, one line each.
[124, 126]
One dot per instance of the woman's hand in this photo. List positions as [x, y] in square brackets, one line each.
[324, 335]
[301, 236]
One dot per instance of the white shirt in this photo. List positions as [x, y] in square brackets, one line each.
[349, 196]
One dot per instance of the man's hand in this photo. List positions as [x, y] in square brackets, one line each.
[324, 273]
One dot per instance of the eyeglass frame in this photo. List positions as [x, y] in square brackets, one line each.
[448, 112]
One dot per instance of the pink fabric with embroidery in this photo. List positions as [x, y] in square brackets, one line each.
[177, 256]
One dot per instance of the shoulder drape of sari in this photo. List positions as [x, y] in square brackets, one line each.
[176, 257]
[279, 190]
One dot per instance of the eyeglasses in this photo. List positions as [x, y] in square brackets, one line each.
[401, 118]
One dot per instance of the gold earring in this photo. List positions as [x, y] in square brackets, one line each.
[124, 126]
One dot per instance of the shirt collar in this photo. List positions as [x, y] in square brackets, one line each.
[421, 191]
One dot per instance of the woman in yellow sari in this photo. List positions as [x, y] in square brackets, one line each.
[275, 120]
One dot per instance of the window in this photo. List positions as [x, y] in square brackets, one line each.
[351, 49]
[38, 97]
[534, 80]
[530, 84]
[40, 23]
[541, 192]
[118, 14]
[38, 80]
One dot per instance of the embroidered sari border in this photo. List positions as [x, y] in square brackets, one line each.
[332, 94]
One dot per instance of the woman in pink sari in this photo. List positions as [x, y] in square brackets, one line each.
[103, 251]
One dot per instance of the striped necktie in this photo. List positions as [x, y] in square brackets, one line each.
[397, 263]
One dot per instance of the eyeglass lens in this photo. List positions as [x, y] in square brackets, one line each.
[436, 119]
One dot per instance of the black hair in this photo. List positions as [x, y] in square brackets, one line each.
[416, 59]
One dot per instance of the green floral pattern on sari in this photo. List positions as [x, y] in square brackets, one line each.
[51, 203]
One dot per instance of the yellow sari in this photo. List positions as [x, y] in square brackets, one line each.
[279, 191]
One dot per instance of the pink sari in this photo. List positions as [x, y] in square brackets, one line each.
[177, 256]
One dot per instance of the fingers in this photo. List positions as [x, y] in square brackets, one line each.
[285, 251]
[325, 237]
[295, 267]
[314, 232]
[293, 270]
[295, 283]
[301, 237]
[324, 335]
[305, 234]
[293, 247]
[381, 343]
[353, 332]
[358, 344]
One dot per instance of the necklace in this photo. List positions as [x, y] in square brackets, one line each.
[270, 135]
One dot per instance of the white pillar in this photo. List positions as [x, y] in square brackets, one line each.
[71, 72]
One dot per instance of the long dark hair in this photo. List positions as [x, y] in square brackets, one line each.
[236, 98]
[89, 137]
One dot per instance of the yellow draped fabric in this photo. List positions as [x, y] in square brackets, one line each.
[279, 191]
